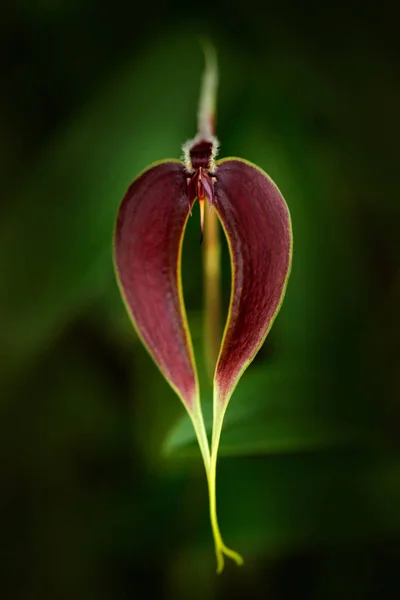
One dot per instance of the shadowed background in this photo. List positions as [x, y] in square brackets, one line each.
[103, 494]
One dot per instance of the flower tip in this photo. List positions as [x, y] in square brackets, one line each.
[223, 551]
[220, 564]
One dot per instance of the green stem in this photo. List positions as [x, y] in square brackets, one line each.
[208, 94]
[220, 547]
[198, 424]
[210, 464]
[212, 291]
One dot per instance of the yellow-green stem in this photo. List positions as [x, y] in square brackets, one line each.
[212, 290]
[201, 434]
[220, 547]
[210, 464]
[208, 93]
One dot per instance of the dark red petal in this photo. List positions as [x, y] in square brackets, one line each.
[257, 224]
[148, 242]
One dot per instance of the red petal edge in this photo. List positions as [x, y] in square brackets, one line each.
[257, 226]
[147, 252]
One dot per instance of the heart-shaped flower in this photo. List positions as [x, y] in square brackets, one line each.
[149, 232]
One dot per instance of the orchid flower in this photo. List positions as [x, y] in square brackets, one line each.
[149, 233]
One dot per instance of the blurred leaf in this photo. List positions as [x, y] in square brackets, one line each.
[268, 415]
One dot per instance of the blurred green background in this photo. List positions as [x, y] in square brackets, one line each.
[103, 494]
